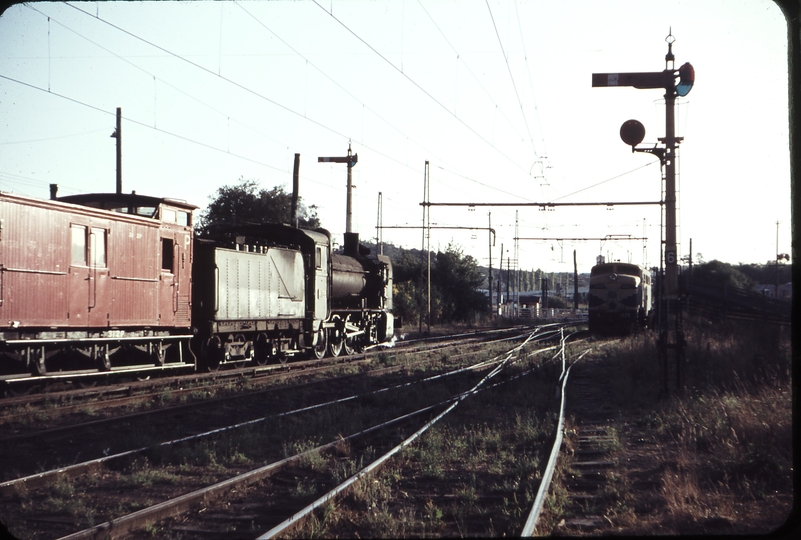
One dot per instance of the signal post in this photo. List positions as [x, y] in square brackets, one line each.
[675, 82]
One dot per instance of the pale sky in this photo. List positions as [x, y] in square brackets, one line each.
[496, 95]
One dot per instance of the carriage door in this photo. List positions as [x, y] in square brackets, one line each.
[168, 297]
[80, 297]
[98, 277]
[183, 277]
[88, 303]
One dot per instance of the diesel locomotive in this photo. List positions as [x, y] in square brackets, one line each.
[114, 281]
[620, 298]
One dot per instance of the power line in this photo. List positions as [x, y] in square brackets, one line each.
[514, 86]
[230, 81]
[149, 74]
[276, 103]
[459, 57]
[544, 153]
[54, 138]
[309, 62]
[140, 123]
[605, 181]
[423, 90]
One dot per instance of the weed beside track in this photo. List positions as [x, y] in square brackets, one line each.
[715, 458]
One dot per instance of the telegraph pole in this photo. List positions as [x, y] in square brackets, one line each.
[118, 135]
[632, 132]
[350, 160]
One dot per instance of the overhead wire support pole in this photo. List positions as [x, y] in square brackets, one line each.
[428, 247]
[379, 239]
[489, 273]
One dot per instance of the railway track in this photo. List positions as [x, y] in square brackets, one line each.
[61, 387]
[23, 412]
[156, 400]
[55, 478]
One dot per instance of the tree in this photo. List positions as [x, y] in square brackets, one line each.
[246, 203]
[722, 273]
[407, 273]
[456, 278]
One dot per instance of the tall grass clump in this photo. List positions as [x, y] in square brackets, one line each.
[727, 432]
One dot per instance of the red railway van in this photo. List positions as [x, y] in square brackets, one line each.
[94, 281]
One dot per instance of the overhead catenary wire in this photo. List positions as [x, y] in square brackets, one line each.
[423, 90]
[511, 77]
[367, 146]
[283, 170]
[459, 57]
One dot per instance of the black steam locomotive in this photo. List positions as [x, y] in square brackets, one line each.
[265, 292]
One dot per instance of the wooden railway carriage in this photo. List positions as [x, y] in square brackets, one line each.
[620, 297]
[84, 276]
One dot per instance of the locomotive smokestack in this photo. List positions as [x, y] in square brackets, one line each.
[295, 191]
[352, 244]
[53, 192]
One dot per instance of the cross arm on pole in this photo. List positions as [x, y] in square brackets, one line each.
[547, 205]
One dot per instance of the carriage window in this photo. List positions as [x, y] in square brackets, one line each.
[167, 254]
[318, 261]
[78, 233]
[98, 247]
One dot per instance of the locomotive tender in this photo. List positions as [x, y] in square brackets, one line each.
[620, 297]
[117, 281]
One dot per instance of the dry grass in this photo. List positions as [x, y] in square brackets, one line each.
[725, 459]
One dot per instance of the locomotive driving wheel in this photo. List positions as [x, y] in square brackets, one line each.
[322, 343]
[352, 345]
[335, 337]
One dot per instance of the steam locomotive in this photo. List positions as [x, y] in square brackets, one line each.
[114, 281]
[620, 298]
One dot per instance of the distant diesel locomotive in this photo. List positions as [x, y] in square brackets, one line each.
[620, 298]
[118, 281]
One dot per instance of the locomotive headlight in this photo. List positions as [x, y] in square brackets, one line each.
[612, 277]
